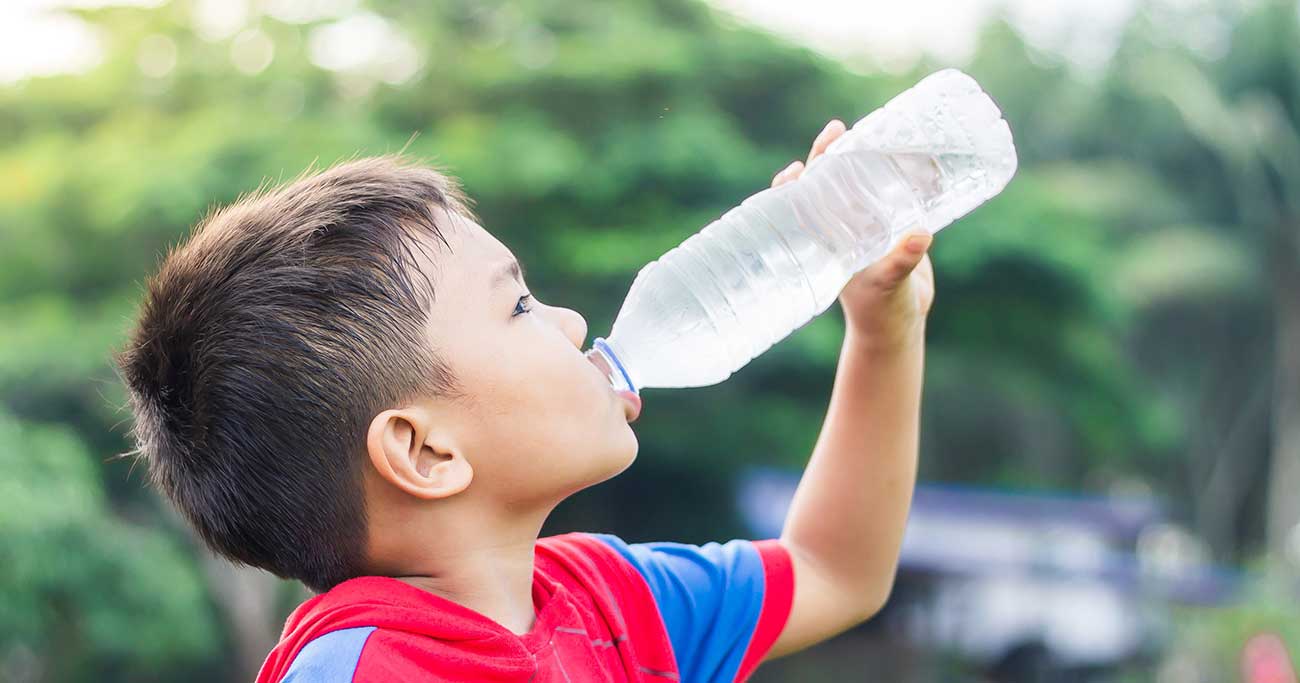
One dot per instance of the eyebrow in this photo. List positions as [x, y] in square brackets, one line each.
[513, 269]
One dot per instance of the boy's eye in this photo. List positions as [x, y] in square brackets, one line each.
[522, 306]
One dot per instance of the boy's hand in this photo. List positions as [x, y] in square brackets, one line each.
[887, 302]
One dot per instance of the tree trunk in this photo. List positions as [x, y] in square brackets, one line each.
[1221, 494]
[1284, 479]
[246, 598]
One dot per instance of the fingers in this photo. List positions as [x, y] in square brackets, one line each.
[833, 129]
[788, 173]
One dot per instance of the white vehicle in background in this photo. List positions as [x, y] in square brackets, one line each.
[1028, 586]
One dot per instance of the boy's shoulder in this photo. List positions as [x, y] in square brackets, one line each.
[721, 606]
[598, 611]
[610, 591]
[698, 612]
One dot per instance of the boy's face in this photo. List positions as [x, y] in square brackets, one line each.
[538, 421]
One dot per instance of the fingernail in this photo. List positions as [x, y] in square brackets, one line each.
[793, 165]
[918, 243]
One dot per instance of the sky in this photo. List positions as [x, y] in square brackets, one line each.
[37, 38]
[893, 34]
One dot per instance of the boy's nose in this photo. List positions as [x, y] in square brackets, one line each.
[572, 324]
[577, 327]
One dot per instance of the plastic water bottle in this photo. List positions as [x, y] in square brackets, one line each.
[765, 268]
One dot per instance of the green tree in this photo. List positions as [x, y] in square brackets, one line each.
[1220, 323]
[84, 591]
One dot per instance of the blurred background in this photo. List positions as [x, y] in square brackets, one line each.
[1111, 420]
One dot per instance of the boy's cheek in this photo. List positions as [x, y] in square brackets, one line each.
[549, 422]
[547, 463]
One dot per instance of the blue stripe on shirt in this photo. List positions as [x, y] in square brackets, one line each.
[709, 596]
[331, 658]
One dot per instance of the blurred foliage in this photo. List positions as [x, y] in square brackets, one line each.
[1104, 322]
[1210, 641]
[79, 585]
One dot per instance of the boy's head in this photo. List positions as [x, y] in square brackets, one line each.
[350, 345]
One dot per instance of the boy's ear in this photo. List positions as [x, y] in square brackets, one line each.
[408, 450]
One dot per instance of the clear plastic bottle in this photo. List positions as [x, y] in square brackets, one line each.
[765, 268]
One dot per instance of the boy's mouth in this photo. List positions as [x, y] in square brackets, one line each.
[631, 402]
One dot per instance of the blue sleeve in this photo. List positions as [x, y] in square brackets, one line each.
[710, 597]
[331, 658]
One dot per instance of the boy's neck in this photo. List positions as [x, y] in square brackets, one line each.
[497, 583]
[486, 567]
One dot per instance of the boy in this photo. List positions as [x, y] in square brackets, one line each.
[345, 381]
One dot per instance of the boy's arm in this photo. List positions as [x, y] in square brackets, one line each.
[845, 526]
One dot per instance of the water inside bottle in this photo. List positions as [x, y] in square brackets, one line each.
[748, 286]
[767, 267]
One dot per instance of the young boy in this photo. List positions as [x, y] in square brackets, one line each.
[345, 381]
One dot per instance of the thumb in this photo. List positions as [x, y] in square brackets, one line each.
[907, 254]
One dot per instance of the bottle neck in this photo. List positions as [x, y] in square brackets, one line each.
[606, 358]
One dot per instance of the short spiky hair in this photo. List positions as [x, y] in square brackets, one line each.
[267, 342]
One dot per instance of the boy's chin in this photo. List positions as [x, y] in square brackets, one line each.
[614, 461]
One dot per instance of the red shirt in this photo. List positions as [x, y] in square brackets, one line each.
[606, 611]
